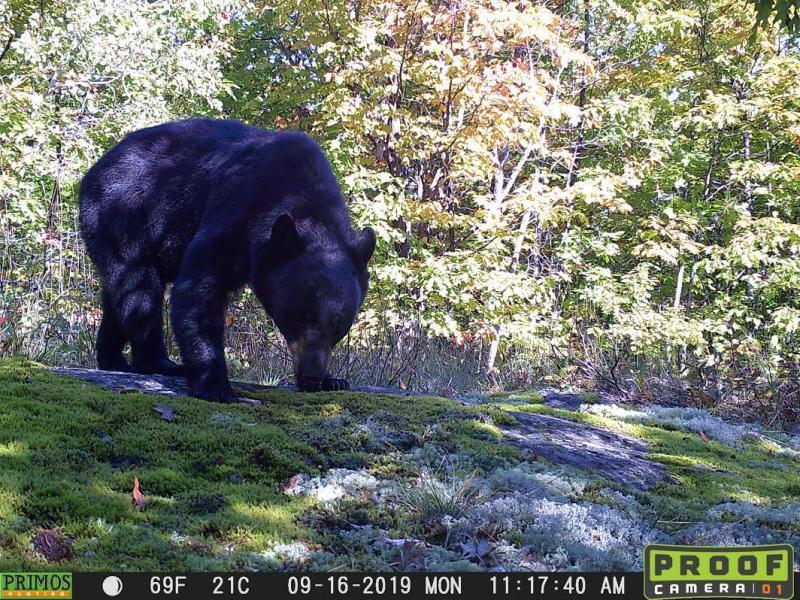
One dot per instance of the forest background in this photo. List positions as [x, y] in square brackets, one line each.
[601, 194]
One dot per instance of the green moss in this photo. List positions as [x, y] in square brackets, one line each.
[713, 472]
[589, 398]
[70, 451]
[514, 398]
[541, 409]
[709, 472]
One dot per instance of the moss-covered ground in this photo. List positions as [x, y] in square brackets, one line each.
[70, 451]
[432, 485]
[709, 472]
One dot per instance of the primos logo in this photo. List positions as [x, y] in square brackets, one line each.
[703, 572]
[36, 585]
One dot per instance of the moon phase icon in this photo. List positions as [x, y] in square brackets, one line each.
[112, 585]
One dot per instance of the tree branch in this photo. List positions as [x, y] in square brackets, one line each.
[7, 47]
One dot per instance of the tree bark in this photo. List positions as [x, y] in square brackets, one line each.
[679, 287]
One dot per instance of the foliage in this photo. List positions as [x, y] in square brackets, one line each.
[785, 12]
[606, 189]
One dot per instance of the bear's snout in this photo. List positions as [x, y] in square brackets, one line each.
[310, 359]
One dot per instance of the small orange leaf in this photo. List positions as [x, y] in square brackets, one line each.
[138, 499]
[704, 436]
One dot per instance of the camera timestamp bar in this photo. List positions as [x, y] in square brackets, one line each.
[324, 586]
[345, 586]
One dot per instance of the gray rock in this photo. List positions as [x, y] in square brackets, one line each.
[618, 457]
[177, 386]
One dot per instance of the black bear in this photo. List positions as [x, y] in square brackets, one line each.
[211, 206]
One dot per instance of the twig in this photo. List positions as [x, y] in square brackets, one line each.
[7, 47]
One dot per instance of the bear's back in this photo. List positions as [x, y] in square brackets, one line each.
[158, 186]
[200, 130]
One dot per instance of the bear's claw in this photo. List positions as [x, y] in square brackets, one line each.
[327, 384]
[331, 384]
[225, 396]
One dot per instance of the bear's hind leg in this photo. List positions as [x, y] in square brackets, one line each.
[110, 340]
[140, 307]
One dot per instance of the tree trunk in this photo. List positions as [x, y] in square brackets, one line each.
[493, 348]
[679, 287]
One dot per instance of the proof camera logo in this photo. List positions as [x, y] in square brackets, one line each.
[706, 572]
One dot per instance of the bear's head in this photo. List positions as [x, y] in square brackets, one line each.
[313, 293]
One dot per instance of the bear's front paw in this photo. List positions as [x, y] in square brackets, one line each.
[161, 367]
[331, 384]
[214, 394]
[326, 384]
[309, 384]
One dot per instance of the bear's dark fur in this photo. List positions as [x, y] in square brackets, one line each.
[211, 206]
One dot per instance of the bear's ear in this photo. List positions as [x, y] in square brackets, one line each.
[284, 241]
[365, 246]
